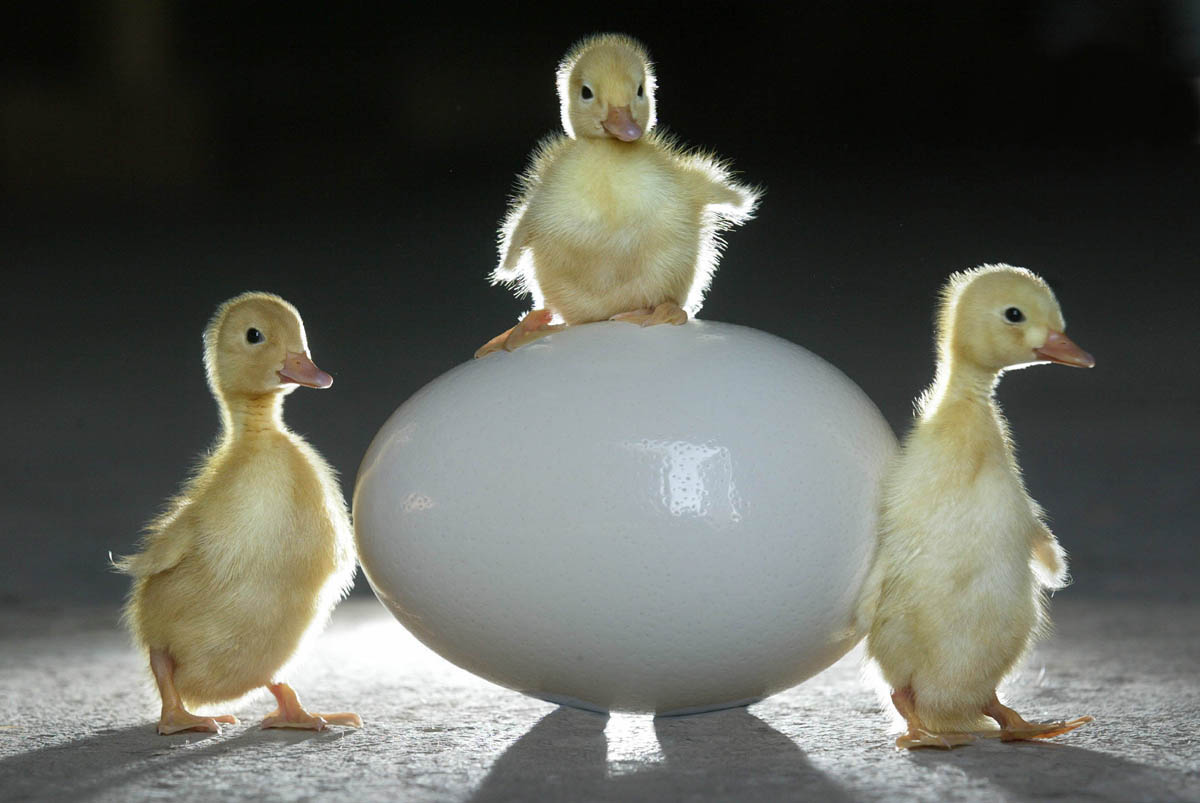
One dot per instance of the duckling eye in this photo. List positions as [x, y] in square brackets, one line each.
[586, 92]
[1014, 315]
[641, 92]
[253, 335]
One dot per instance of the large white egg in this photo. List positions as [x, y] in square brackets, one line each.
[668, 519]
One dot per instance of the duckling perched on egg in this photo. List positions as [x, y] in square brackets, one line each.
[256, 550]
[614, 220]
[957, 591]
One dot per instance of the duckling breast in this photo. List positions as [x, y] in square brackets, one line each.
[596, 187]
[614, 235]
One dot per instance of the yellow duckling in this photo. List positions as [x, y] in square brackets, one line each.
[955, 596]
[257, 549]
[614, 220]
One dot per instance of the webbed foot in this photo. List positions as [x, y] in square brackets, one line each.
[666, 312]
[176, 720]
[291, 714]
[919, 737]
[1039, 730]
[1014, 727]
[533, 326]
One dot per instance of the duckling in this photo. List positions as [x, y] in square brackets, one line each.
[613, 220]
[250, 558]
[957, 590]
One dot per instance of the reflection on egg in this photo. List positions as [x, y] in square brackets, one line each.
[668, 519]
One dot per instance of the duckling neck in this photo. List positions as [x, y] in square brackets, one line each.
[959, 387]
[247, 416]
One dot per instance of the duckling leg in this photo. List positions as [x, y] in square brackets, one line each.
[1013, 726]
[290, 714]
[666, 312]
[175, 717]
[533, 326]
[905, 701]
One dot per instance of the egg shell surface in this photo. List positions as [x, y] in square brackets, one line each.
[669, 519]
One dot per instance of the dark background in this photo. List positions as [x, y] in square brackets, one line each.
[159, 158]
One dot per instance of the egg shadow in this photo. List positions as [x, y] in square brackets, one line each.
[1055, 771]
[109, 760]
[723, 755]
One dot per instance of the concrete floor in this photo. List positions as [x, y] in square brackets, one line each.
[77, 717]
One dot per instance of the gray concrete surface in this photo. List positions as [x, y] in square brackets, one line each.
[77, 717]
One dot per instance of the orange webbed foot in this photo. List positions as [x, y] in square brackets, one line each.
[532, 327]
[178, 720]
[1014, 728]
[291, 714]
[1041, 730]
[919, 737]
[666, 312]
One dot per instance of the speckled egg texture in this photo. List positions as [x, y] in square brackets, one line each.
[668, 519]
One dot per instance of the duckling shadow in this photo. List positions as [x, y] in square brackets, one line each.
[724, 755]
[113, 760]
[1054, 771]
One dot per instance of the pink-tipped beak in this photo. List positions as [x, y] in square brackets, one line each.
[621, 125]
[1059, 348]
[300, 369]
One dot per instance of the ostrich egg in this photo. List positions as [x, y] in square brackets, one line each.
[668, 519]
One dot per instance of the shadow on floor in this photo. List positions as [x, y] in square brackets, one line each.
[725, 755]
[111, 760]
[733, 755]
[1053, 771]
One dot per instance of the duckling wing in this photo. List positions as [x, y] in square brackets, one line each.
[514, 240]
[732, 201]
[164, 545]
[711, 178]
[1050, 559]
[514, 233]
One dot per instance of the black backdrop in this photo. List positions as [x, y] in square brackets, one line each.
[357, 159]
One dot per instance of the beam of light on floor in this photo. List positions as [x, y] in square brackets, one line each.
[632, 743]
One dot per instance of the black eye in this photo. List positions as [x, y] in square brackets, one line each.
[253, 335]
[640, 90]
[586, 92]
[1014, 315]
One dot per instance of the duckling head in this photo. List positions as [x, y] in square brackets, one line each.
[606, 89]
[255, 345]
[998, 317]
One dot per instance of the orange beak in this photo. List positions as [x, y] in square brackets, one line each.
[300, 369]
[620, 124]
[1059, 348]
